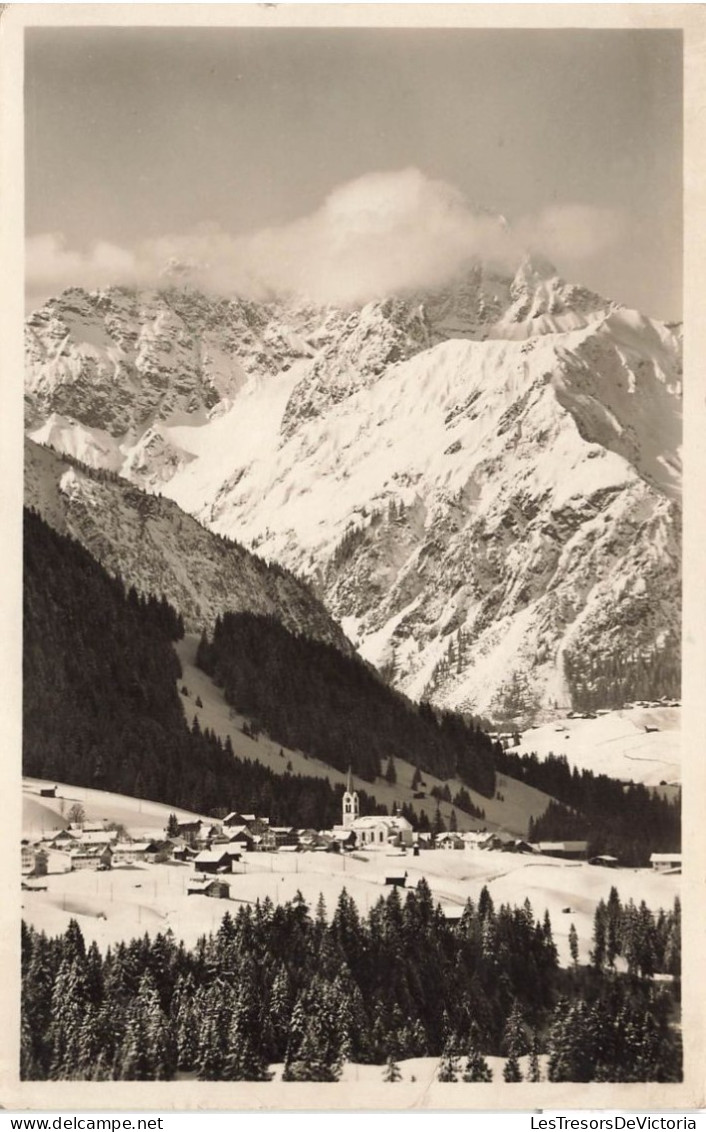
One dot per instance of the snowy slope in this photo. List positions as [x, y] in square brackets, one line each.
[514, 804]
[474, 512]
[482, 483]
[638, 744]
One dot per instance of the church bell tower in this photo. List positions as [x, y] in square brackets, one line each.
[351, 805]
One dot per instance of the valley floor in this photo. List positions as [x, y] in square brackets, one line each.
[128, 901]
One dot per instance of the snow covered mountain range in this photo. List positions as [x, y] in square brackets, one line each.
[481, 483]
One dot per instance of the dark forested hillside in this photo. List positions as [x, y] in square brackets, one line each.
[308, 695]
[101, 706]
[625, 819]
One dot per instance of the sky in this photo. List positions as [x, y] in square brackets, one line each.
[345, 163]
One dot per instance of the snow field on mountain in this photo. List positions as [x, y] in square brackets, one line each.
[617, 744]
[379, 443]
[440, 427]
[41, 815]
[530, 459]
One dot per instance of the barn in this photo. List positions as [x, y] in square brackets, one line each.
[213, 861]
[214, 887]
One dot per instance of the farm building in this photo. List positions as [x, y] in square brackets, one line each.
[666, 862]
[213, 861]
[568, 850]
[213, 887]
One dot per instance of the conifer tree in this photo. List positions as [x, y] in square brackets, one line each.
[392, 1071]
[533, 1072]
[477, 1068]
[515, 1043]
[448, 1066]
[598, 954]
[511, 1070]
[574, 945]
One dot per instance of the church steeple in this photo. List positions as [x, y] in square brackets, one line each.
[351, 805]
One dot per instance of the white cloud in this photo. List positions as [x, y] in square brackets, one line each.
[377, 235]
[577, 232]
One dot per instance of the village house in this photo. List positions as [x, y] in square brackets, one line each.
[92, 857]
[60, 839]
[47, 792]
[130, 852]
[477, 839]
[26, 856]
[78, 828]
[279, 836]
[97, 837]
[189, 831]
[198, 833]
[158, 850]
[34, 859]
[255, 826]
[239, 835]
[237, 819]
[310, 839]
[449, 841]
[339, 839]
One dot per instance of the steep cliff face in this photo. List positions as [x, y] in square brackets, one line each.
[154, 546]
[482, 483]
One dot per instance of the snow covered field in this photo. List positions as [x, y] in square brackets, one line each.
[141, 817]
[129, 901]
[617, 744]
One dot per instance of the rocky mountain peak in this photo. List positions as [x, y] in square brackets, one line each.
[481, 481]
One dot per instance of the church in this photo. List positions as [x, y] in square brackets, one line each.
[375, 831]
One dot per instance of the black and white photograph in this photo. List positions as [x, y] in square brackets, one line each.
[351, 731]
